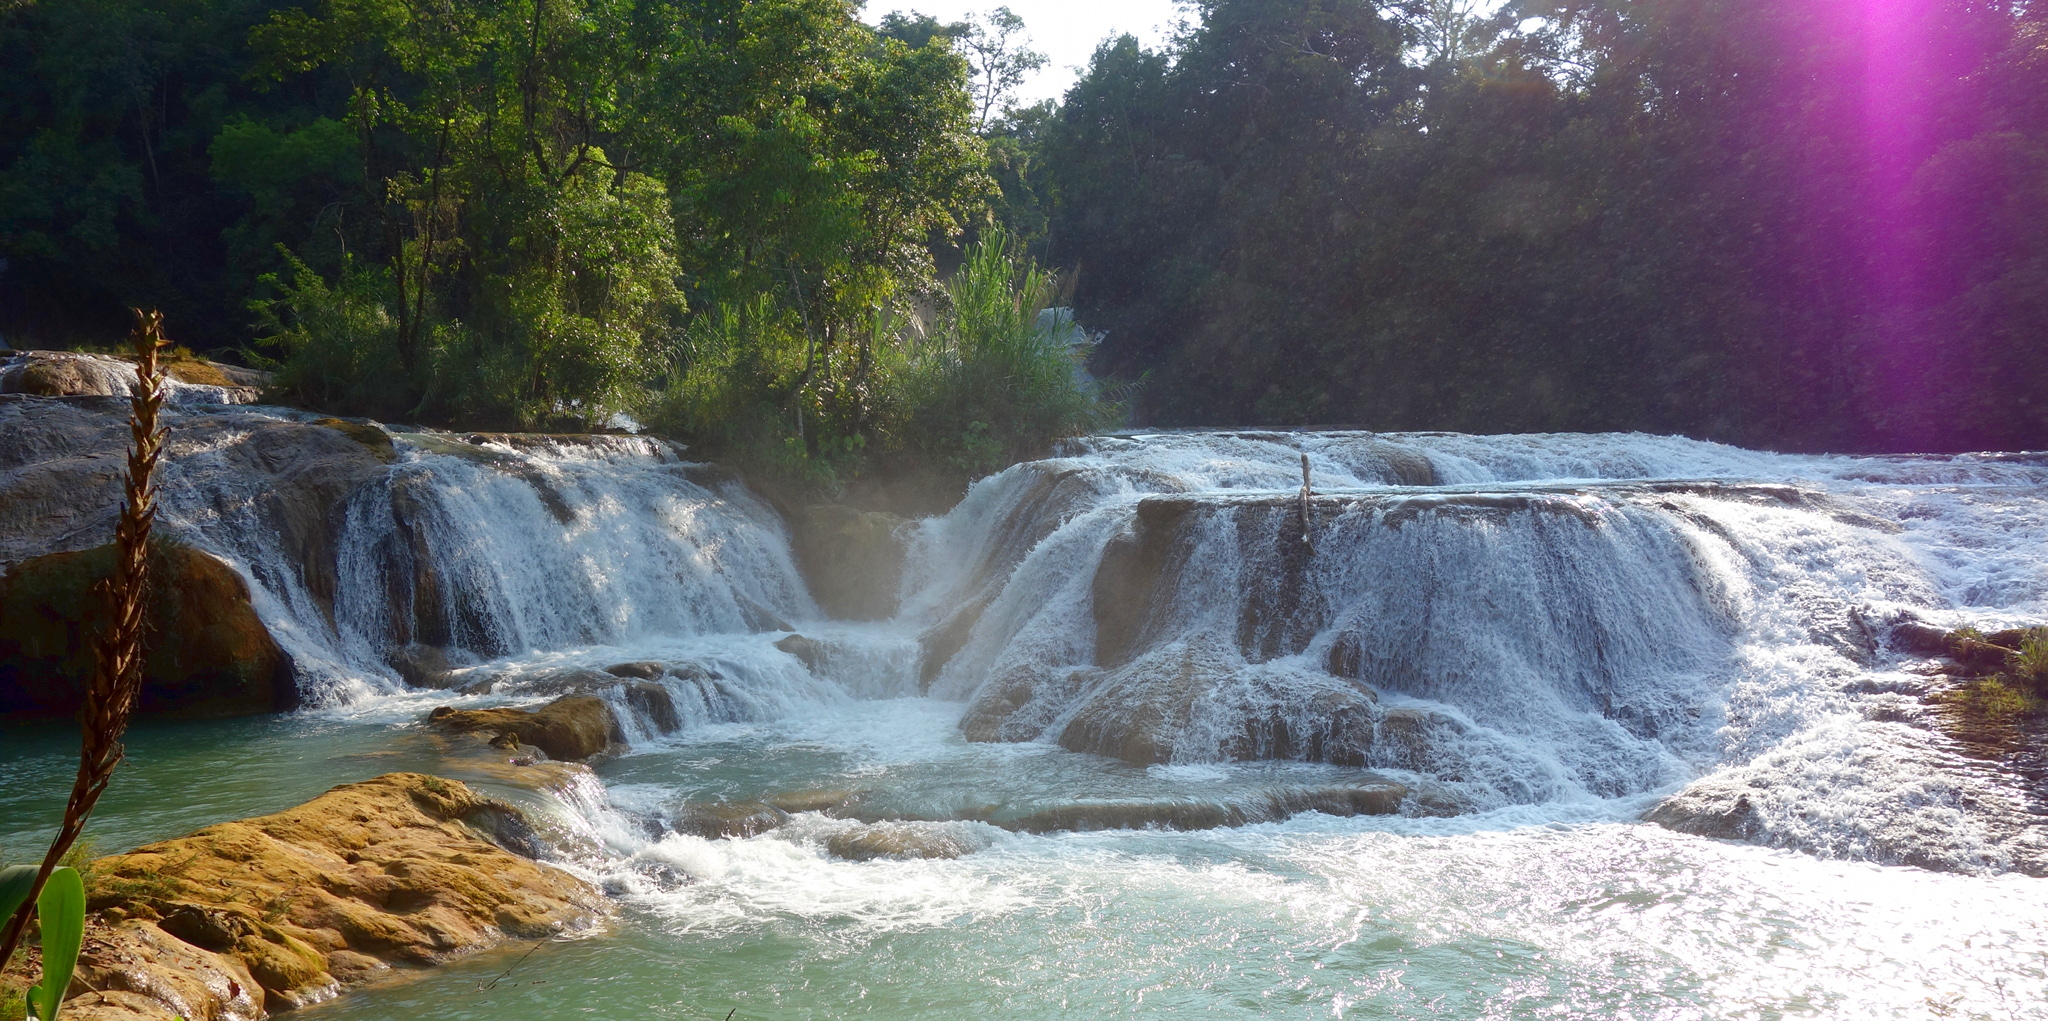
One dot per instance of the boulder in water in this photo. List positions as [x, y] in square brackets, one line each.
[645, 671]
[1719, 807]
[828, 802]
[714, 820]
[570, 727]
[906, 841]
[810, 650]
[263, 915]
[426, 666]
[852, 558]
[938, 644]
[208, 654]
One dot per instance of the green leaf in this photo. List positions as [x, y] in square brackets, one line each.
[61, 910]
[14, 883]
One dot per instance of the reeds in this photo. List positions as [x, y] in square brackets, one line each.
[117, 671]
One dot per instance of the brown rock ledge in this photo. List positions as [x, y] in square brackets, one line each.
[244, 919]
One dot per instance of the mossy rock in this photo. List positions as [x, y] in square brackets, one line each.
[572, 727]
[207, 652]
[377, 440]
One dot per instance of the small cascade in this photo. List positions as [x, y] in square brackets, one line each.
[450, 551]
[489, 549]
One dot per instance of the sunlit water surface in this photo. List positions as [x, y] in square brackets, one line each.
[1550, 911]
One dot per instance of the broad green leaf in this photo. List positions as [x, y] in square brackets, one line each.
[14, 883]
[61, 910]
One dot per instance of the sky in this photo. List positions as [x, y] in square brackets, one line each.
[1064, 30]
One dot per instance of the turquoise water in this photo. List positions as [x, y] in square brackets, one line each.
[1552, 911]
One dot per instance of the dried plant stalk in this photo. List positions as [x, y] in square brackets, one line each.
[117, 670]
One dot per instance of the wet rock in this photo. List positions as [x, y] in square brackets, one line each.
[570, 727]
[1717, 806]
[904, 841]
[810, 650]
[60, 477]
[1024, 699]
[67, 374]
[1371, 797]
[942, 641]
[425, 666]
[652, 703]
[645, 671]
[208, 654]
[363, 431]
[828, 802]
[714, 820]
[248, 918]
[1088, 816]
[1133, 574]
[1140, 713]
[853, 559]
[79, 374]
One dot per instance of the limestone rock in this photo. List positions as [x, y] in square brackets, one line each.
[79, 374]
[944, 640]
[828, 802]
[810, 650]
[853, 559]
[570, 727]
[714, 820]
[906, 841]
[250, 918]
[208, 654]
[61, 463]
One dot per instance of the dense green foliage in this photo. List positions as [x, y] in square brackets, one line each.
[1791, 223]
[718, 213]
[1776, 222]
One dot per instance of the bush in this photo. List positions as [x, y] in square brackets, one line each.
[986, 376]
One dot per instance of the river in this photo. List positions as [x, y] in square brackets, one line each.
[1535, 639]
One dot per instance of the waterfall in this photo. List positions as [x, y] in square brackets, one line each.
[1518, 619]
[477, 547]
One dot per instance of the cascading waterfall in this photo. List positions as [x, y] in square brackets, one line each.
[1492, 621]
[497, 547]
[1506, 619]
[1387, 755]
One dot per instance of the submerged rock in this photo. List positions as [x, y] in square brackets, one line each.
[250, 918]
[828, 802]
[852, 558]
[906, 841]
[809, 650]
[208, 654]
[1379, 797]
[570, 727]
[714, 820]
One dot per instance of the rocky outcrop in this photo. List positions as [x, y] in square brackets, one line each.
[76, 374]
[903, 841]
[246, 919]
[851, 558]
[208, 652]
[715, 820]
[61, 463]
[571, 727]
